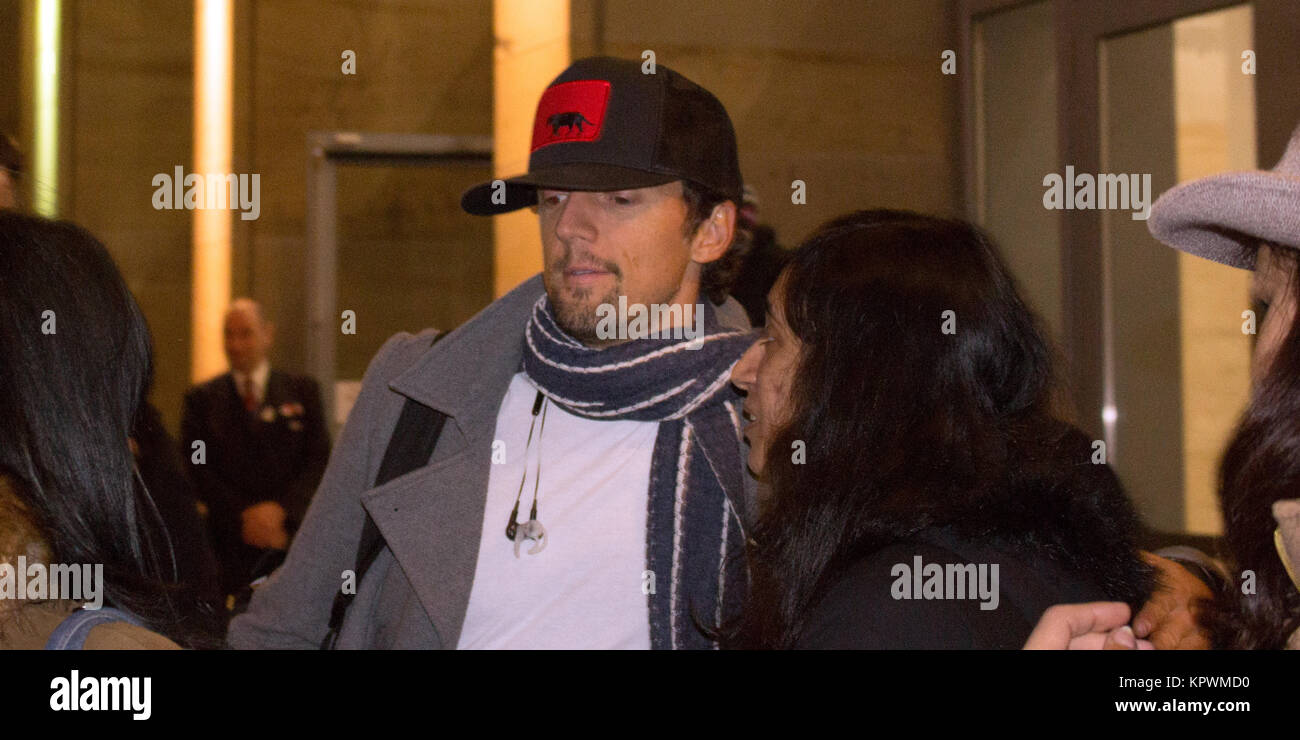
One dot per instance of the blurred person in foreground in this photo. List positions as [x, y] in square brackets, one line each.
[76, 367]
[923, 492]
[1248, 220]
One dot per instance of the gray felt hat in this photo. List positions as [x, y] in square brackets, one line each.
[1224, 217]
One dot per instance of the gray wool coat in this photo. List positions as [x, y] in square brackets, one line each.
[417, 591]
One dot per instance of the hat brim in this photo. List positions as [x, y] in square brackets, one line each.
[1223, 218]
[489, 199]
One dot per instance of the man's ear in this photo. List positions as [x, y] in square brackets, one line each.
[714, 235]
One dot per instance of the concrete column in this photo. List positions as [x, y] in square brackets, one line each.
[531, 48]
[213, 71]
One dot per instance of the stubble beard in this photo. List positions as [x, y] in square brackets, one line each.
[575, 313]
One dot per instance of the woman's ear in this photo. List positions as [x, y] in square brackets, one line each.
[714, 235]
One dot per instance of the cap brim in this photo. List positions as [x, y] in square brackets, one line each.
[1223, 218]
[489, 199]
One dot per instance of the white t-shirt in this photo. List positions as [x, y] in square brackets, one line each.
[584, 590]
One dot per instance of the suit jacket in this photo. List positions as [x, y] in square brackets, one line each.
[417, 591]
[278, 453]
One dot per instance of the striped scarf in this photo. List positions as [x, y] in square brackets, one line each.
[691, 526]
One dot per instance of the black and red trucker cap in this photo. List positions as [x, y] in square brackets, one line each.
[605, 124]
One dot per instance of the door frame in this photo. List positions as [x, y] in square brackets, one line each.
[1080, 27]
[326, 152]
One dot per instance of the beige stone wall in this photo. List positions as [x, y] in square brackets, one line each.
[130, 106]
[845, 95]
[408, 257]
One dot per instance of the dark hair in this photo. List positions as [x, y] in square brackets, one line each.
[77, 362]
[1260, 466]
[905, 426]
[717, 276]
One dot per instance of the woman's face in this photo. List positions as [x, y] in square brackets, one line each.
[1271, 292]
[765, 373]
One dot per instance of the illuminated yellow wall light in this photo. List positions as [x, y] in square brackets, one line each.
[532, 47]
[45, 129]
[213, 71]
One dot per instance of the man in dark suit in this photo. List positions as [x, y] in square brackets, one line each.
[265, 445]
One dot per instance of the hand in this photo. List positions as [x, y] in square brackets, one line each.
[1099, 625]
[263, 526]
[1168, 619]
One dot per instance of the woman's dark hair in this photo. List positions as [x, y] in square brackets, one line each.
[1262, 465]
[76, 357]
[905, 425]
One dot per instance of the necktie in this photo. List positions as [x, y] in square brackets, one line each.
[250, 401]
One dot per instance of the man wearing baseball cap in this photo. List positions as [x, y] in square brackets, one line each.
[530, 480]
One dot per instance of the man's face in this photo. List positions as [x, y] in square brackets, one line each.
[598, 246]
[247, 340]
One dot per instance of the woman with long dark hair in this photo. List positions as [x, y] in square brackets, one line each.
[74, 365]
[922, 492]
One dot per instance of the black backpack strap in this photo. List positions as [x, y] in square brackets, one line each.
[410, 447]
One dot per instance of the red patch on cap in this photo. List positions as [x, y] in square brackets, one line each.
[570, 111]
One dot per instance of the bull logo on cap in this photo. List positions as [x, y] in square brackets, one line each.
[569, 120]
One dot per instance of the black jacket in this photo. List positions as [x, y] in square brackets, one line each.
[1066, 540]
[860, 611]
[277, 453]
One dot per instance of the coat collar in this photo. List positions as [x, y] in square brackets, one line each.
[443, 380]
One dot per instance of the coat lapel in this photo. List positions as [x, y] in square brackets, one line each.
[432, 518]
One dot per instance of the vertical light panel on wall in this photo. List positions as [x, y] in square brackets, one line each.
[45, 109]
[1215, 123]
[213, 68]
[531, 48]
